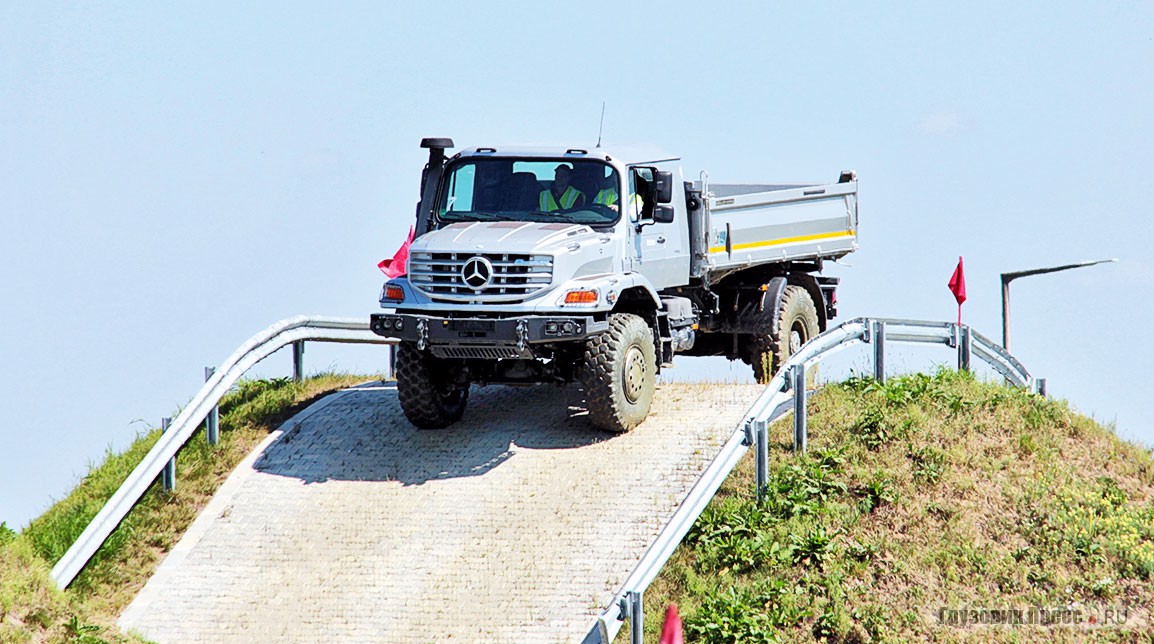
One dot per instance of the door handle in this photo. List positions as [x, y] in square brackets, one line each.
[660, 240]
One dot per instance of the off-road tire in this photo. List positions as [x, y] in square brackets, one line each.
[428, 396]
[796, 324]
[619, 373]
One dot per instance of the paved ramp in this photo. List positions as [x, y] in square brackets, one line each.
[516, 525]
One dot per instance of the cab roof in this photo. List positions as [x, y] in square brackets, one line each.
[629, 155]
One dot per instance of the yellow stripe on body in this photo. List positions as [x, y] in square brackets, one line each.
[784, 240]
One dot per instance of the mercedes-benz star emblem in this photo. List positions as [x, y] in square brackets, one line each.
[477, 272]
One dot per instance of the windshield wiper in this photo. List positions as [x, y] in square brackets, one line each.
[467, 215]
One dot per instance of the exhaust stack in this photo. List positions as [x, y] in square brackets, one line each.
[430, 177]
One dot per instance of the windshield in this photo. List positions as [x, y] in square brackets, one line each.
[579, 191]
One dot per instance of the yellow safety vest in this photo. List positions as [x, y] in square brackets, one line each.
[607, 197]
[548, 204]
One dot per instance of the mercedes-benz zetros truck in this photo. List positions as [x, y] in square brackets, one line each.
[591, 267]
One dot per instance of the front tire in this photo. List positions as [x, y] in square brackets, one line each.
[796, 324]
[429, 396]
[620, 373]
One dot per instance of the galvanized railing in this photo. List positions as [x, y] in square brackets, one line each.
[779, 398]
[293, 331]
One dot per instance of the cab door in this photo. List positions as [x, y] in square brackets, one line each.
[661, 250]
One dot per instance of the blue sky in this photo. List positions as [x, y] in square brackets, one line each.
[176, 178]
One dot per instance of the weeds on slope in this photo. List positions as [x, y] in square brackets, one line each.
[925, 493]
[32, 609]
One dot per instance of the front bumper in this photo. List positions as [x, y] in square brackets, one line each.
[490, 338]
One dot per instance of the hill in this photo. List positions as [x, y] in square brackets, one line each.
[924, 504]
[927, 508]
[32, 609]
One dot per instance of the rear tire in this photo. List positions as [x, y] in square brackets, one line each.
[620, 373]
[796, 324]
[425, 387]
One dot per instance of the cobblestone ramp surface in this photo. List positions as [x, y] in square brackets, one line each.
[518, 524]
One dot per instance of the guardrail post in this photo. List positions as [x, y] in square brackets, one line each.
[636, 618]
[212, 421]
[168, 476]
[1040, 387]
[761, 445]
[964, 347]
[879, 341]
[799, 420]
[298, 360]
[391, 368]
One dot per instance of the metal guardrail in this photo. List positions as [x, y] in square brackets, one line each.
[778, 399]
[293, 331]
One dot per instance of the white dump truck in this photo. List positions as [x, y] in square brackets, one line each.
[582, 266]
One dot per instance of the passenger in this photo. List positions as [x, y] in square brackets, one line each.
[607, 196]
[561, 196]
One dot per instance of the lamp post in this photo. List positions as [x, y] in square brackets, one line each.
[1009, 277]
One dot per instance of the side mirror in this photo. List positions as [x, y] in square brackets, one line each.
[662, 187]
[663, 214]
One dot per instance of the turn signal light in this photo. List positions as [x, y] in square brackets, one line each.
[394, 293]
[581, 297]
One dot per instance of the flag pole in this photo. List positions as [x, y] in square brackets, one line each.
[957, 286]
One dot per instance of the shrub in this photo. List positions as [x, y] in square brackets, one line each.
[878, 491]
[929, 464]
[748, 615]
[814, 547]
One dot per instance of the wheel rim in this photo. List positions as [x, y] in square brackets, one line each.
[796, 338]
[633, 377]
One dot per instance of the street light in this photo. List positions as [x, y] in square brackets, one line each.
[1009, 277]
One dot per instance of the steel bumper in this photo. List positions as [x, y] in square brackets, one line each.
[513, 334]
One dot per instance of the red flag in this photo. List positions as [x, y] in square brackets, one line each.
[671, 631]
[395, 267]
[958, 283]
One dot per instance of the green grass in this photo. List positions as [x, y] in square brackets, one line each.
[924, 493]
[32, 609]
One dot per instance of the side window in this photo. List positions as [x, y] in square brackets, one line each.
[641, 184]
[634, 198]
[460, 191]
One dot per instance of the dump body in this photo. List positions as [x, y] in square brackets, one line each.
[760, 224]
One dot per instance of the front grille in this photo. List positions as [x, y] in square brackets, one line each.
[510, 277]
[485, 353]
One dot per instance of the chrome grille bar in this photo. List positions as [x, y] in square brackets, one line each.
[515, 276]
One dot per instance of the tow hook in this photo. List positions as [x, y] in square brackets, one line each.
[522, 334]
[422, 334]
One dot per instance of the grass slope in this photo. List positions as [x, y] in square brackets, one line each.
[924, 493]
[32, 609]
[927, 492]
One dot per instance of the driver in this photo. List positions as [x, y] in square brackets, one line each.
[561, 196]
